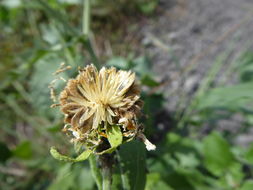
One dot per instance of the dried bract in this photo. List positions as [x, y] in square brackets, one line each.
[97, 99]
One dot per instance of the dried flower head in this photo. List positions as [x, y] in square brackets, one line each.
[96, 99]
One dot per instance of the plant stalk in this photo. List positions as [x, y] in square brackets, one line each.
[106, 162]
[86, 17]
[95, 171]
[86, 30]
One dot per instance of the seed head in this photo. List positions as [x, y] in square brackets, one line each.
[95, 99]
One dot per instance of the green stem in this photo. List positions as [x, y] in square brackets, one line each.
[95, 171]
[86, 30]
[106, 161]
[86, 17]
[106, 173]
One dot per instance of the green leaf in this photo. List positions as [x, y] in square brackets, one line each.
[154, 181]
[148, 7]
[247, 185]
[73, 176]
[57, 16]
[41, 78]
[5, 152]
[249, 154]
[218, 157]
[149, 81]
[109, 151]
[142, 65]
[116, 180]
[114, 135]
[115, 138]
[118, 62]
[187, 160]
[245, 67]
[233, 97]
[83, 156]
[64, 179]
[132, 160]
[23, 150]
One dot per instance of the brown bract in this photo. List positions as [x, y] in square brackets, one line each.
[100, 97]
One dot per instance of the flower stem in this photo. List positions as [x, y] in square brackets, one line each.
[106, 173]
[106, 161]
[86, 30]
[95, 171]
[86, 17]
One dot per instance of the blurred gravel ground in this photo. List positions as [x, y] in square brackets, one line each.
[188, 36]
[195, 32]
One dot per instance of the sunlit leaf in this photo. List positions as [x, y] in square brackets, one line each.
[247, 185]
[41, 78]
[232, 97]
[154, 181]
[83, 156]
[118, 62]
[148, 7]
[217, 154]
[249, 154]
[114, 135]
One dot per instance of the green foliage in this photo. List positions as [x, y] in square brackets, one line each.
[73, 177]
[47, 33]
[246, 67]
[214, 145]
[147, 6]
[23, 150]
[249, 154]
[234, 97]
[194, 164]
[108, 8]
[5, 152]
[83, 156]
[114, 136]
[40, 80]
[248, 185]
[141, 65]
[132, 165]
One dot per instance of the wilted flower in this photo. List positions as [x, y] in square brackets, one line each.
[96, 99]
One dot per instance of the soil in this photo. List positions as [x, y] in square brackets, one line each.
[196, 32]
[185, 38]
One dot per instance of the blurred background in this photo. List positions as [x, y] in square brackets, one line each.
[193, 58]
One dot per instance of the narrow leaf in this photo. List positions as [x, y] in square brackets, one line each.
[64, 158]
[109, 151]
[83, 156]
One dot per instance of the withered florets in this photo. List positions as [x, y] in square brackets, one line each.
[97, 99]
